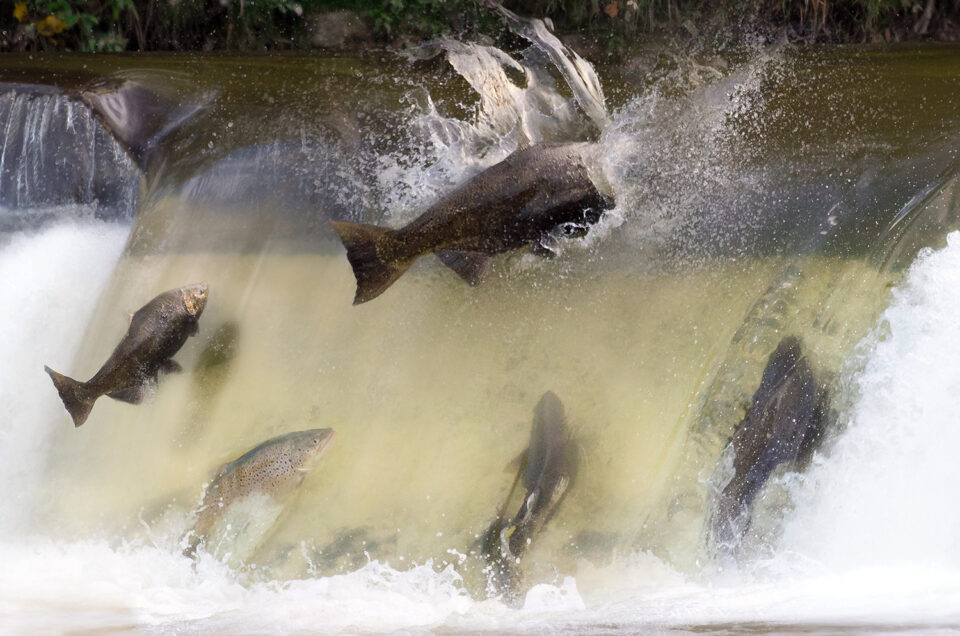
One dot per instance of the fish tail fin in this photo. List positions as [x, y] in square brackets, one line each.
[730, 517]
[190, 551]
[373, 272]
[70, 392]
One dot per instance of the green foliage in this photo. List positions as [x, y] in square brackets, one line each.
[824, 20]
[66, 24]
[116, 25]
[416, 18]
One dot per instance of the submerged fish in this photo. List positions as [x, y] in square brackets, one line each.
[210, 374]
[512, 204]
[157, 331]
[270, 471]
[547, 468]
[784, 423]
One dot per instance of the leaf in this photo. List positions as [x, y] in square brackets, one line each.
[69, 19]
[20, 11]
[50, 26]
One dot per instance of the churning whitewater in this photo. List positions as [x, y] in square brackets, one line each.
[50, 282]
[879, 502]
[869, 538]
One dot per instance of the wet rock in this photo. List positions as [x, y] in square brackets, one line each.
[337, 30]
[587, 46]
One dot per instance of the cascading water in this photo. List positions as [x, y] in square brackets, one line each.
[771, 194]
[55, 155]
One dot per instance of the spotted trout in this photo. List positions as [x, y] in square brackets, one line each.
[267, 473]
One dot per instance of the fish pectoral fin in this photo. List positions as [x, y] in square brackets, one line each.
[171, 366]
[301, 474]
[544, 248]
[561, 486]
[526, 510]
[130, 395]
[531, 502]
[472, 267]
[303, 470]
[559, 490]
[505, 535]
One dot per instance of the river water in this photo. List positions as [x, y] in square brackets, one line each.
[761, 193]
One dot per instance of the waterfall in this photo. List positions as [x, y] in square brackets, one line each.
[56, 157]
[758, 198]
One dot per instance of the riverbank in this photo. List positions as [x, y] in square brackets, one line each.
[336, 25]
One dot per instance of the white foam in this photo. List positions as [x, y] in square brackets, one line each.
[883, 497]
[447, 151]
[94, 585]
[50, 282]
[551, 598]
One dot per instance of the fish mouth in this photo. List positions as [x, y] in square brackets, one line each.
[322, 446]
[195, 298]
[326, 442]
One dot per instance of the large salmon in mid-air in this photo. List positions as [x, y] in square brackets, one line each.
[515, 203]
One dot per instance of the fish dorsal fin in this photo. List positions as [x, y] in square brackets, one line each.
[546, 247]
[518, 463]
[472, 267]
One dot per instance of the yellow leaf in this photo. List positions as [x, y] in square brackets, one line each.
[50, 26]
[20, 11]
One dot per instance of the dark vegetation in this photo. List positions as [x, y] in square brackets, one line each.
[251, 25]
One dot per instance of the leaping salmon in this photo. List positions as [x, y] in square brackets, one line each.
[515, 203]
[157, 331]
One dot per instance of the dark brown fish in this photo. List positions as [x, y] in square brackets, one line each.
[783, 424]
[210, 375]
[141, 108]
[547, 468]
[156, 333]
[515, 203]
